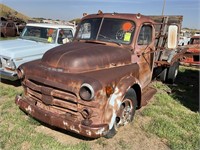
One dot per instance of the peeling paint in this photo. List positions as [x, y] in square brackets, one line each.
[65, 123]
[113, 119]
[100, 131]
[88, 132]
[74, 129]
[28, 109]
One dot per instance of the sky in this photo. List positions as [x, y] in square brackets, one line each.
[71, 9]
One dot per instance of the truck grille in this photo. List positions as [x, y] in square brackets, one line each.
[65, 102]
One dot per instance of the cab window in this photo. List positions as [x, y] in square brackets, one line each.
[145, 36]
[65, 34]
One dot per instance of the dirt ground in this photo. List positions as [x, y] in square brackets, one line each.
[131, 136]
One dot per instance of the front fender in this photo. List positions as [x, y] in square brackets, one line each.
[116, 98]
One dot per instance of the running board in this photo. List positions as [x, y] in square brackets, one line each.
[147, 94]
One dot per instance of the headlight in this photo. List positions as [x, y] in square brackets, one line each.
[9, 64]
[86, 92]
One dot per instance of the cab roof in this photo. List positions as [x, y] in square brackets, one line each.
[133, 17]
[46, 25]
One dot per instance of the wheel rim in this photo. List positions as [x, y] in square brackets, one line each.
[124, 114]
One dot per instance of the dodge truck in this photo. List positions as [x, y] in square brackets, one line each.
[93, 85]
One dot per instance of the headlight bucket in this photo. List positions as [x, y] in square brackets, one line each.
[86, 91]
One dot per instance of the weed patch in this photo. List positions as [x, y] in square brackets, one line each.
[172, 119]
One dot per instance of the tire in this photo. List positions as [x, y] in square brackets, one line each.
[172, 73]
[163, 75]
[126, 112]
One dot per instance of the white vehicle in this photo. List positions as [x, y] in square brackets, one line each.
[197, 33]
[34, 41]
[184, 38]
[183, 41]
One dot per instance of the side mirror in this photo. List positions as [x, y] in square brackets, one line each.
[172, 36]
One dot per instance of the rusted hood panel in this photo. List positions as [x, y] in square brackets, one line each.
[72, 81]
[79, 57]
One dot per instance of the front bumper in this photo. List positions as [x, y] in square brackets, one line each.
[8, 75]
[92, 131]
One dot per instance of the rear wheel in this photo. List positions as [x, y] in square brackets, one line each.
[125, 113]
[172, 73]
[163, 75]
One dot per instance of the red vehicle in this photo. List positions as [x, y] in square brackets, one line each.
[8, 28]
[192, 54]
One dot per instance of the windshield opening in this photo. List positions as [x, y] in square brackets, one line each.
[39, 34]
[107, 30]
[195, 41]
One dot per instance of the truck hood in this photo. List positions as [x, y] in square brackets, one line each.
[20, 48]
[79, 57]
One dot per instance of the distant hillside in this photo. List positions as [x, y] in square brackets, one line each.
[6, 11]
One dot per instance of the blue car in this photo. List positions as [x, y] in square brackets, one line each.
[34, 41]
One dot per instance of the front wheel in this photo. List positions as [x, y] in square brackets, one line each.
[125, 113]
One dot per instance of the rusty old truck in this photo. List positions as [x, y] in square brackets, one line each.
[93, 85]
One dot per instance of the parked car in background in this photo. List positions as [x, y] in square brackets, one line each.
[8, 28]
[197, 33]
[193, 53]
[33, 42]
[20, 27]
[184, 38]
[183, 41]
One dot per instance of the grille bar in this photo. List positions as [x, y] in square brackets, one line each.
[48, 96]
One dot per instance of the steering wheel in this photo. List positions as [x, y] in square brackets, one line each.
[119, 34]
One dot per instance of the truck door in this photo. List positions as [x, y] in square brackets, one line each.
[144, 49]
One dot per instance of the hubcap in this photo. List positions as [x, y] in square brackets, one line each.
[125, 112]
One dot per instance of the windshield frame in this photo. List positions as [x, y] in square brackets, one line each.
[102, 22]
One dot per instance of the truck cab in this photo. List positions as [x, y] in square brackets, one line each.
[93, 85]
